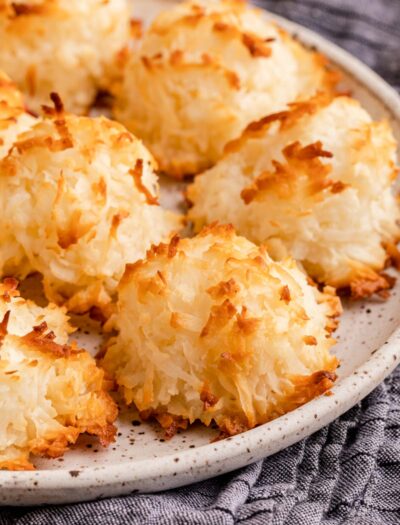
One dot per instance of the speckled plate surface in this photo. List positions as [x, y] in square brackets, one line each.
[140, 460]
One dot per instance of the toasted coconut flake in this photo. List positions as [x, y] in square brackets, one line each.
[13, 117]
[314, 182]
[285, 294]
[257, 47]
[208, 398]
[170, 423]
[360, 288]
[224, 289]
[219, 344]
[136, 28]
[393, 254]
[310, 340]
[200, 76]
[137, 174]
[85, 213]
[50, 392]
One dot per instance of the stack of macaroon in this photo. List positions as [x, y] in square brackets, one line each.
[290, 194]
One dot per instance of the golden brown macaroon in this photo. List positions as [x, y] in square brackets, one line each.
[79, 200]
[203, 71]
[212, 329]
[50, 392]
[315, 182]
[68, 46]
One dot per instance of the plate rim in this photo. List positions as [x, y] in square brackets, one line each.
[209, 460]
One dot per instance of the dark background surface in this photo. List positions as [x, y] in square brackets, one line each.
[348, 472]
[370, 29]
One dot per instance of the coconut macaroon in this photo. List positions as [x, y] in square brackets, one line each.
[50, 392]
[68, 46]
[79, 200]
[212, 329]
[315, 182]
[13, 117]
[203, 71]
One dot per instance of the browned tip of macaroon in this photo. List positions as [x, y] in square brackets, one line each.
[362, 288]
[168, 422]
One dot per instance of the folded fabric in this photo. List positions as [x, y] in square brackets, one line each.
[349, 472]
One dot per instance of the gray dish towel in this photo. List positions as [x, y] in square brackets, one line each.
[348, 472]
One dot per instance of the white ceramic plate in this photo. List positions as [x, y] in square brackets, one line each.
[141, 461]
